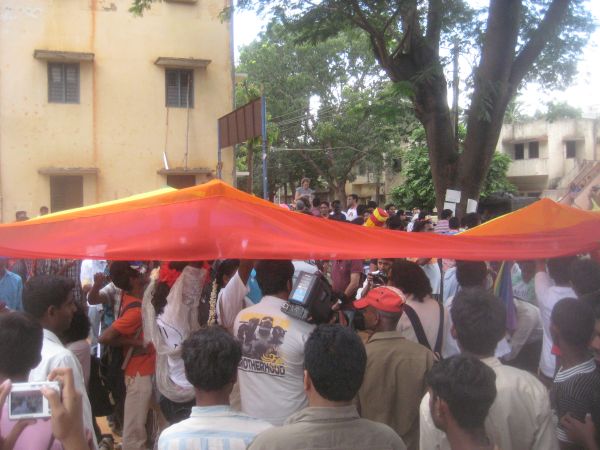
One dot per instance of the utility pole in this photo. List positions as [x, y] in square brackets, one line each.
[263, 105]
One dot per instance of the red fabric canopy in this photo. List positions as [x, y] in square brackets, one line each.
[214, 220]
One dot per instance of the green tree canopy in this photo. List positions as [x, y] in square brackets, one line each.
[417, 189]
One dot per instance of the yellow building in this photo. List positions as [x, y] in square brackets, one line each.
[96, 104]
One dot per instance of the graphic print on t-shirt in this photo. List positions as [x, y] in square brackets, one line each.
[261, 336]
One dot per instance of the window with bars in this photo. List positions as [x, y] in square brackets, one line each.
[63, 83]
[534, 150]
[519, 151]
[571, 149]
[179, 88]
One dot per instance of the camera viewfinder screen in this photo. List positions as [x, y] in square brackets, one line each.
[300, 294]
[26, 402]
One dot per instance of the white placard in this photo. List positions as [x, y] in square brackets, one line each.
[471, 205]
[451, 207]
[452, 196]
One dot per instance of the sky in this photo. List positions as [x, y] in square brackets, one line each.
[584, 93]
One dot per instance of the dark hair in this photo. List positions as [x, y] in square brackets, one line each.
[471, 220]
[471, 273]
[453, 223]
[559, 269]
[360, 220]
[273, 275]
[422, 215]
[361, 210]
[335, 358]
[316, 202]
[467, 385]
[389, 206]
[226, 267]
[336, 203]
[419, 226]
[120, 273]
[410, 279]
[574, 320]
[43, 291]
[324, 203]
[479, 319]
[211, 357]
[162, 289]
[372, 204]
[446, 214]
[21, 340]
[395, 223]
[585, 276]
[592, 299]
[79, 328]
[354, 196]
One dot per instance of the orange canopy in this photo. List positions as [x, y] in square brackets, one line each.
[214, 220]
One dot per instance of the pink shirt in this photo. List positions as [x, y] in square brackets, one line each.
[36, 436]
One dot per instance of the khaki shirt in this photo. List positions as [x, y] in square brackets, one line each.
[394, 384]
[336, 428]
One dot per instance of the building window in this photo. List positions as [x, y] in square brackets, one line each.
[571, 149]
[534, 150]
[179, 88]
[520, 151]
[181, 181]
[66, 192]
[63, 83]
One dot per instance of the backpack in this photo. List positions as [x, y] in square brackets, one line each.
[113, 363]
[421, 337]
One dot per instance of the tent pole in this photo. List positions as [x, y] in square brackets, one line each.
[263, 116]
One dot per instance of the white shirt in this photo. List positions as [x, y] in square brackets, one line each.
[548, 295]
[271, 372]
[434, 274]
[529, 327]
[429, 315]
[54, 356]
[520, 418]
[230, 301]
[89, 268]
[351, 214]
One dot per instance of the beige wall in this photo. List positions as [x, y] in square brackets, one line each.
[121, 125]
[552, 167]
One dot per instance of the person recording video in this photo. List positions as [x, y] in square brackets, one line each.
[377, 278]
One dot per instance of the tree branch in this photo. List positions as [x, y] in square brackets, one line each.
[531, 51]
[434, 24]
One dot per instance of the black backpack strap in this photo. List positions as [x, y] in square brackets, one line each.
[440, 335]
[131, 306]
[417, 326]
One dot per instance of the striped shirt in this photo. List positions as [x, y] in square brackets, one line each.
[576, 391]
[212, 428]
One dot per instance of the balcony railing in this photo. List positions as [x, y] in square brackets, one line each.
[528, 167]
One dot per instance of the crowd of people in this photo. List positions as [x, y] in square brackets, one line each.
[415, 353]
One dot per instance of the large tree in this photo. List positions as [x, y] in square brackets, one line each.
[516, 41]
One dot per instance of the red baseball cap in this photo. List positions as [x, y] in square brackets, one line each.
[384, 298]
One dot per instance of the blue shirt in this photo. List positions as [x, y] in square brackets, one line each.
[11, 290]
[212, 428]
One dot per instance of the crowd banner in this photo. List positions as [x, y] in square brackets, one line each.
[215, 220]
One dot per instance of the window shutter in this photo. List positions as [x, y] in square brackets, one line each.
[71, 83]
[187, 89]
[172, 87]
[56, 91]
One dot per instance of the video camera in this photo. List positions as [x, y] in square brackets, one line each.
[311, 299]
[379, 278]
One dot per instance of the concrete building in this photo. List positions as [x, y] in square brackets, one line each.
[96, 104]
[559, 160]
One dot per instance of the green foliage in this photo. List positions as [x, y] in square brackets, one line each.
[359, 116]
[558, 110]
[417, 189]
